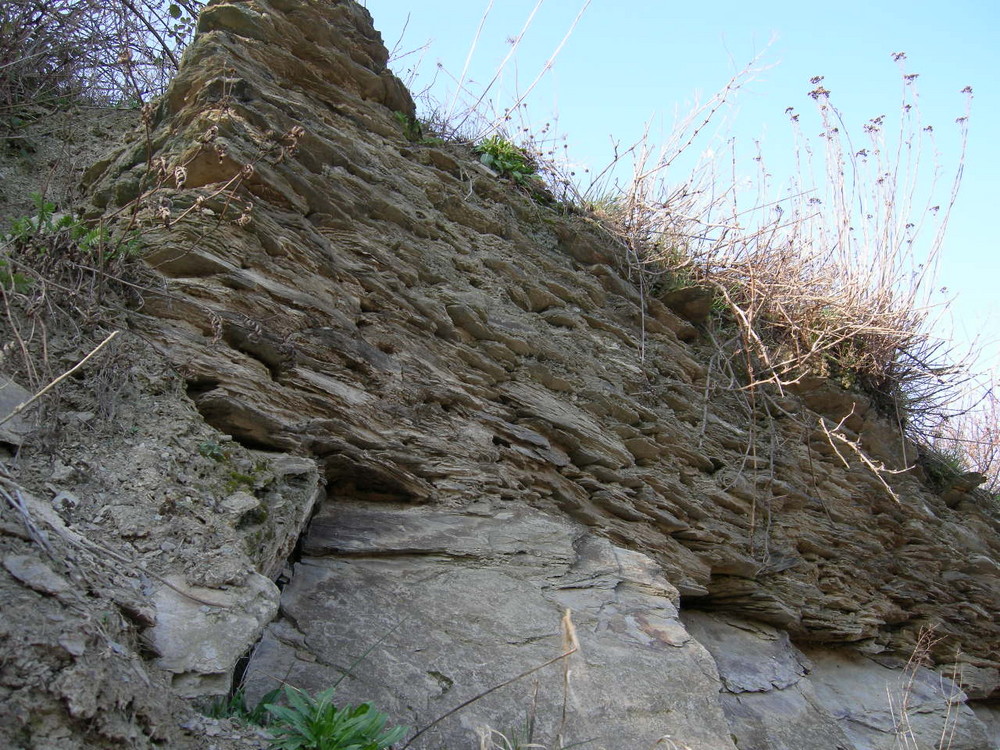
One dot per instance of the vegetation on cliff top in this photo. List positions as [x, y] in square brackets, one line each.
[832, 278]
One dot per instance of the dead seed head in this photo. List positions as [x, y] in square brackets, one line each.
[163, 211]
[245, 217]
[209, 135]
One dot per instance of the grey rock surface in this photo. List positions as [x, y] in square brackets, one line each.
[457, 602]
[883, 707]
[781, 697]
[14, 426]
[200, 633]
[430, 334]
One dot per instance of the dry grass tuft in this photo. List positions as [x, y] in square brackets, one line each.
[834, 279]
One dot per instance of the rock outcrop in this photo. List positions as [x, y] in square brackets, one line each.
[507, 429]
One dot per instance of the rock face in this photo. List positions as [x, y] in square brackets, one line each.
[505, 433]
[778, 697]
[457, 602]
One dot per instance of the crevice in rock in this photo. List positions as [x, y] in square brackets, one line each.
[200, 386]
[261, 347]
[240, 670]
[247, 441]
[366, 479]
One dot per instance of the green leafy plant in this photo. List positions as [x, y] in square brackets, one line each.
[412, 128]
[213, 450]
[47, 232]
[315, 723]
[508, 160]
[13, 280]
[235, 707]
[943, 465]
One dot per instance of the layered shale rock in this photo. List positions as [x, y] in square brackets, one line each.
[505, 426]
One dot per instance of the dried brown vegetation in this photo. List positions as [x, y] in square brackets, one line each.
[54, 52]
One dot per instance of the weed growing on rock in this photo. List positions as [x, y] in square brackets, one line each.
[58, 273]
[315, 723]
[305, 722]
[49, 234]
[904, 699]
[974, 436]
[235, 707]
[507, 160]
[213, 450]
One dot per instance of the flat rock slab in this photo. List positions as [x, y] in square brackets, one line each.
[454, 603]
[780, 697]
[201, 632]
[882, 708]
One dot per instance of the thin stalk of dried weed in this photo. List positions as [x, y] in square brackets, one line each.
[25, 404]
[469, 112]
[570, 645]
[900, 700]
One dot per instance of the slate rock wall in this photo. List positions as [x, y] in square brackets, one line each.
[466, 364]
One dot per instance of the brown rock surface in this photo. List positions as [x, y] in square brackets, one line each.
[448, 349]
[394, 311]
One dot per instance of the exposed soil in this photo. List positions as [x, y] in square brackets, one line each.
[109, 482]
[48, 156]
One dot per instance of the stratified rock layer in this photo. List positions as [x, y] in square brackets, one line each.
[450, 349]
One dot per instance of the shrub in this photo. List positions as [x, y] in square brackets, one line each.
[47, 234]
[58, 273]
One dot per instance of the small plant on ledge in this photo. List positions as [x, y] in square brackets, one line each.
[508, 160]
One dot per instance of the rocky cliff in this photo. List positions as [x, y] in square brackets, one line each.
[507, 430]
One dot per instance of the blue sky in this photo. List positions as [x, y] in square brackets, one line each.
[631, 63]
